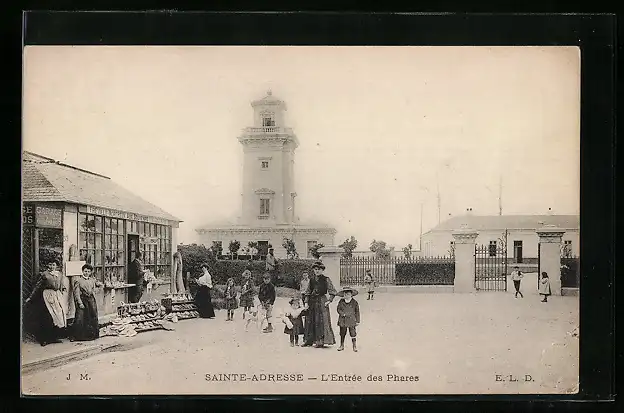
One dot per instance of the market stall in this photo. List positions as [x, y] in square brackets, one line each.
[180, 305]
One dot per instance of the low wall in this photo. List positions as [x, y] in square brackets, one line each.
[427, 289]
[566, 291]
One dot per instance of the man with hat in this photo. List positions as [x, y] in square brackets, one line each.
[271, 264]
[348, 315]
[318, 320]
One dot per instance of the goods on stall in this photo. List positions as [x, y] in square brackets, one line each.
[116, 284]
[172, 317]
[141, 316]
[175, 298]
[119, 327]
[180, 304]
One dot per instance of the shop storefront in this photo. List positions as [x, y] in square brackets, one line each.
[106, 239]
[72, 233]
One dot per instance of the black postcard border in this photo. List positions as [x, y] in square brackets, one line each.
[595, 34]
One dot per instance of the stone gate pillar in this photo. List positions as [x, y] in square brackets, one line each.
[550, 255]
[464, 260]
[330, 256]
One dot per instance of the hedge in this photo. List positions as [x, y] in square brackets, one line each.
[570, 267]
[425, 273]
[288, 274]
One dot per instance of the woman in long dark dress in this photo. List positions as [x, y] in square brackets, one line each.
[46, 298]
[318, 329]
[203, 299]
[85, 327]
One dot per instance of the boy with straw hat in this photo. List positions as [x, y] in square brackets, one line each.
[348, 316]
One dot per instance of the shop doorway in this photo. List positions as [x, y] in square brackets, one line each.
[133, 247]
[263, 249]
[39, 247]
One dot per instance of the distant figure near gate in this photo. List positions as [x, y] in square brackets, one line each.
[370, 282]
[516, 277]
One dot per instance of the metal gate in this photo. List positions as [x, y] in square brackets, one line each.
[490, 267]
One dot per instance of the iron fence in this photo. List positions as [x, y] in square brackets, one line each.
[398, 270]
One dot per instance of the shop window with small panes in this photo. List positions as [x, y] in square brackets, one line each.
[156, 252]
[90, 242]
[114, 251]
[102, 244]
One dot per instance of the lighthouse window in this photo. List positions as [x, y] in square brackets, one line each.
[268, 120]
[265, 164]
[264, 206]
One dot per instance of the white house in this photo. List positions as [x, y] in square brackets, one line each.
[268, 196]
[518, 230]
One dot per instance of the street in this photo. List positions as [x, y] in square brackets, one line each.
[408, 344]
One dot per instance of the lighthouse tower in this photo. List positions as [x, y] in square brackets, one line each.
[268, 196]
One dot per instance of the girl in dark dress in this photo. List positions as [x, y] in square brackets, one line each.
[86, 326]
[318, 320]
[294, 324]
[231, 303]
[203, 298]
[248, 290]
[46, 299]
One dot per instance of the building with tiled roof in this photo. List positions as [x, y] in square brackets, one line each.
[518, 231]
[74, 216]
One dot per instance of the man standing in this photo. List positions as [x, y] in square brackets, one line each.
[516, 277]
[136, 277]
[271, 264]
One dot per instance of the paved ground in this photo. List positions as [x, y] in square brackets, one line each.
[454, 343]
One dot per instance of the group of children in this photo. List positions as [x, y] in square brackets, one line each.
[294, 316]
[266, 296]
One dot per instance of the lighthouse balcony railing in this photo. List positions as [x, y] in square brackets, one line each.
[267, 129]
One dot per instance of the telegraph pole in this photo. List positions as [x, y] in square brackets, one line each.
[421, 228]
[500, 196]
[439, 201]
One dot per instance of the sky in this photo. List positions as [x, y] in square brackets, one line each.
[380, 128]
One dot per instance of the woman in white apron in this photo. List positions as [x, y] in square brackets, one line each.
[47, 297]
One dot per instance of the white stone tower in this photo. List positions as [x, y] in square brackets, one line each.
[268, 196]
[268, 191]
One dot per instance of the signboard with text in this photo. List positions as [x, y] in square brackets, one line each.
[48, 217]
[121, 214]
[149, 240]
[28, 215]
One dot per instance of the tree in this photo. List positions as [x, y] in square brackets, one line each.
[314, 250]
[216, 249]
[407, 251]
[234, 247]
[253, 248]
[381, 249]
[291, 249]
[349, 246]
[193, 256]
